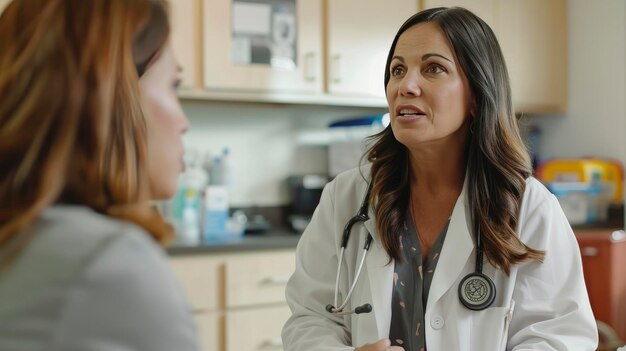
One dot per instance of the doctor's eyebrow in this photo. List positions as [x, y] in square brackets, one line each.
[424, 57]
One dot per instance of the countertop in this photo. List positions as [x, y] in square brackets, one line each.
[280, 238]
[284, 238]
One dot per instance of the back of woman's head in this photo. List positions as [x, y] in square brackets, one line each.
[72, 128]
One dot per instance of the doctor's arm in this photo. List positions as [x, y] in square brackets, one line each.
[552, 310]
[311, 287]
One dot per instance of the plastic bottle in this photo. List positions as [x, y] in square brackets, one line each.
[189, 233]
[216, 205]
[216, 171]
[187, 204]
[216, 213]
[226, 167]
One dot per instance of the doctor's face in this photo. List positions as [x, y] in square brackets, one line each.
[166, 124]
[428, 94]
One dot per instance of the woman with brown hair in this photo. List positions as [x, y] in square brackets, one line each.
[445, 241]
[90, 133]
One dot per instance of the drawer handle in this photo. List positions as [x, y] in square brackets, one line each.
[618, 235]
[273, 343]
[275, 280]
[590, 251]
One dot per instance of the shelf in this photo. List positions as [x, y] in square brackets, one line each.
[282, 98]
[324, 137]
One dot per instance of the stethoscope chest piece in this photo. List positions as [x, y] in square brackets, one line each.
[477, 291]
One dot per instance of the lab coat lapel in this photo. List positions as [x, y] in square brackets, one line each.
[380, 274]
[458, 246]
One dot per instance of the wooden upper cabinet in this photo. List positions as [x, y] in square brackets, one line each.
[240, 42]
[359, 36]
[533, 36]
[3, 4]
[186, 19]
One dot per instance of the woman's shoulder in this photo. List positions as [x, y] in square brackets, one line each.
[354, 179]
[73, 254]
[536, 190]
[79, 233]
[537, 199]
[349, 186]
[65, 241]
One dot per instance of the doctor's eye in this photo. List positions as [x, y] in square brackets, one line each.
[397, 71]
[435, 69]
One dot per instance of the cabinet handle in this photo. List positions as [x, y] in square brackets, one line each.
[309, 66]
[275, 280]
[590, 251]
[618, 235]
[336, 68]
[273, 343]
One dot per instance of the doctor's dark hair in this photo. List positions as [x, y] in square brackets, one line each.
[497, 160]
[72, 125]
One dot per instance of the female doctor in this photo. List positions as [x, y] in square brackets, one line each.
[455, 245]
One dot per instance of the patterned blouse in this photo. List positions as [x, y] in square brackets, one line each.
[411, 284]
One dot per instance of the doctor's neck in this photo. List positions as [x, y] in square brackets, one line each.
[436, 171]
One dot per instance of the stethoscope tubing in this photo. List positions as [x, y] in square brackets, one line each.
[362, 216]
[339, 310]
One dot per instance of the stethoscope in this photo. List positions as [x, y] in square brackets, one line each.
[476, 290]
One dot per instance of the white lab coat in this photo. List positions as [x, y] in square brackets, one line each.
[539, 306]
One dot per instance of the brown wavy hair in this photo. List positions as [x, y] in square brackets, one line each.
[72, 127]
[498, 163]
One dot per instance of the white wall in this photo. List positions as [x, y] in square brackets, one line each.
[262, 143]
[595, 123]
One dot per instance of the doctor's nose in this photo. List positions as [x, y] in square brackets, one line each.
[410, 85]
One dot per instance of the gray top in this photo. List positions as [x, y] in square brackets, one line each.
[91, 283]
[411, 284]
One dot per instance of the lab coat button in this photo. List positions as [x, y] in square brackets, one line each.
[436, 322]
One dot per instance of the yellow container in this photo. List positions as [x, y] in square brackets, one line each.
[584, 170]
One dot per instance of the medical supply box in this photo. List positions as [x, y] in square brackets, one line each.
[585, 188]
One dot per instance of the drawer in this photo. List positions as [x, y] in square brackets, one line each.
[258, 278]
[201, 278]
[256, 329]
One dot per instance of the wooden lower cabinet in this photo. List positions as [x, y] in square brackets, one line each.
[209, 327]
[237, 299]
[604, 265]
[256, 329]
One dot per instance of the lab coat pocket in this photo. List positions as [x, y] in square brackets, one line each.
[490, 328]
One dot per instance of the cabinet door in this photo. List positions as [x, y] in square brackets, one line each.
[359, 36]
[209, 327]
[485, 9]
[242, 31]
[533, 36]
[256, 329]
[186, 39]
[202, 279]
[604, 258]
